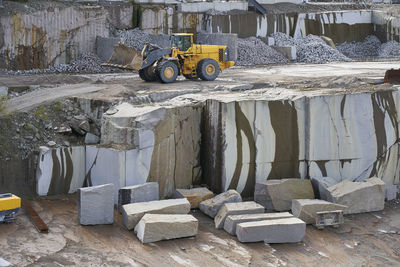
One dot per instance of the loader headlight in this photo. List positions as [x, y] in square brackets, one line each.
[226, 54]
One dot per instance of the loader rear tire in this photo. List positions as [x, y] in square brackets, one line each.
[208, 69]
[147, 75]
[167, 72]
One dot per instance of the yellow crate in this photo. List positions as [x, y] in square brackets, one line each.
[9, 203]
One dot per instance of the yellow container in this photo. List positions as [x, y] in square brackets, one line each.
[10, 203]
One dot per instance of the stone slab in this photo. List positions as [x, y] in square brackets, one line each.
[365, 196]
[320, 186]
[287, 230]
[96, 204]
[288, 51]
[157, 227]
[305, 209]
[278, 194]
[211, 206]
[233, 220]
[194, 195]
[247, 207]
[391, 192]
[132, 213]
[137, 193]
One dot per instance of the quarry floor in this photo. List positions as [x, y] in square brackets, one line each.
[369, 239]
[343, 77]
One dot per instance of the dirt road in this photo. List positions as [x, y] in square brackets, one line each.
[346, 75]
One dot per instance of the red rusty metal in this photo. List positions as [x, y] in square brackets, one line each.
[40, 225]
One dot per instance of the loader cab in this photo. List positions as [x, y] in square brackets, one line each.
[183, 41]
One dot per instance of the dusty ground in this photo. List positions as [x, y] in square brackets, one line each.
[346, 77]
[369, 239]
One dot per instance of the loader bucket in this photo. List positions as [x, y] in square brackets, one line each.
[124, 57]
[392, 76]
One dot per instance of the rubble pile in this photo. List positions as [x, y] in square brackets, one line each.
[368, 48]
[84, 63]
[310, 49]
[138, 38]
[389, 49]
[253, 51]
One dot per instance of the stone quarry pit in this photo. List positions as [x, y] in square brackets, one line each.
[112, 164]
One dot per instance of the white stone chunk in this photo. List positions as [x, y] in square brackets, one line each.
[321, 185]
[288, 230]
[306, 209]
[278, 194]
[365, 196]
[157, 227]
[96, 204]
[137, 193]
[194, 195]
[233, 220]
[132, 213]
[248, 207]
[211, 206]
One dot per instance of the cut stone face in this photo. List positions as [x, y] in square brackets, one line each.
[320, 186]
[194, 195]
[211, 206]
[96, 204]
[233, 220]
[156, 227]
[137, 193]
[248, 207]
[132, 213]
[288, 230]
[305, 209]
[278, 194]
[365, 196]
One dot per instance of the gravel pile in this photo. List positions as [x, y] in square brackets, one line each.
[138, 38]
[253, 51]
[310, 49]
[389, 49]
[368, 48]
[84, 63]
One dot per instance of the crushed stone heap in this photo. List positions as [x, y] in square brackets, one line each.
[253, 51]
[368, 48]
[310, 49]
[138, 38]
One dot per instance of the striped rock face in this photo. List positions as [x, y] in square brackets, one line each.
[351, 137]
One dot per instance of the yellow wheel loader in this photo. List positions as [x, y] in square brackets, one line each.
[184, 57]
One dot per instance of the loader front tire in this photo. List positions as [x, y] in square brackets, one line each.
[167, 72]
[147, 75]
[208, 69]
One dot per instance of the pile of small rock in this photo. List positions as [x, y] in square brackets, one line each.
[368, 48]
[310, 49]
[253, 51]
[389, 49]
[138, 38]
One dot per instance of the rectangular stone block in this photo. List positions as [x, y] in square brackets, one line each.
[211, 206]
[288, 230]
[306, 209]
[132, 213]
[233, 220]
[137, 193]
[278, 194]
[321, 184]
[157, 227]
[365, 196]
[96, 204]
[248, 207]
[194, 195]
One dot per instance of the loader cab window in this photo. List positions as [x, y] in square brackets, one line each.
[181, 42]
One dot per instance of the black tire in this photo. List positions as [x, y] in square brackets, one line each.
[190, 77]
[147, 75]
[167, 71]
[208, 69]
